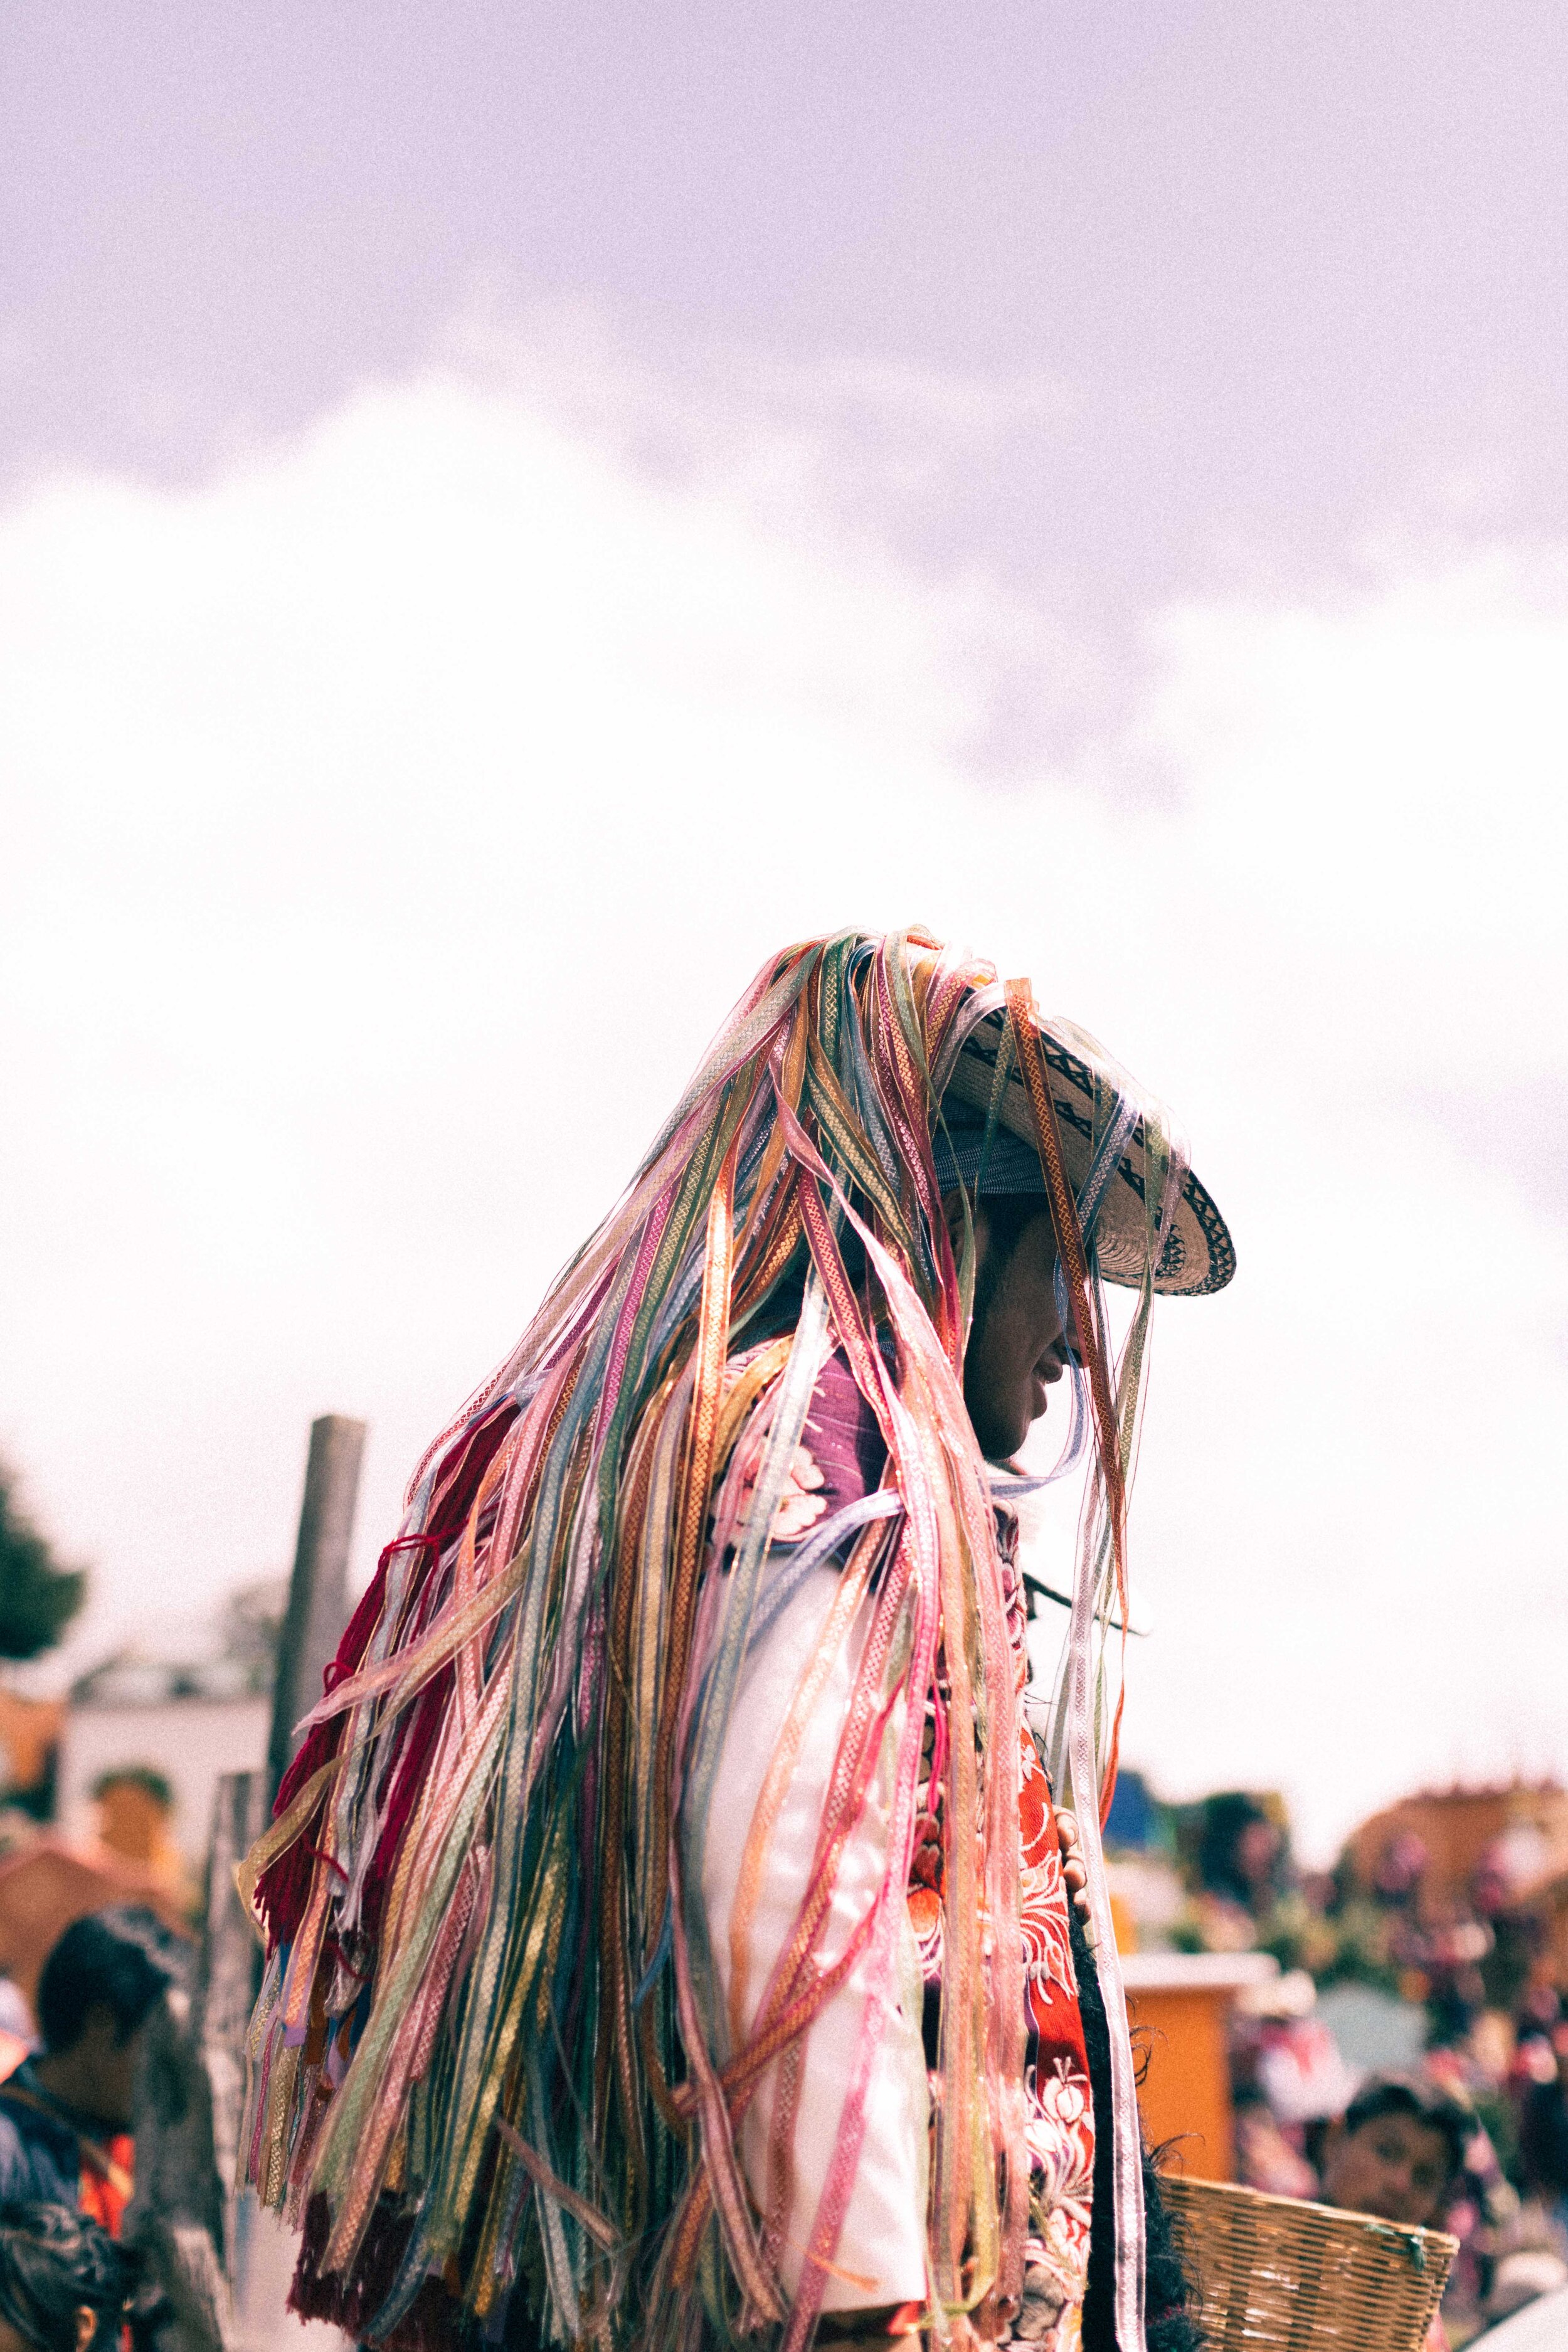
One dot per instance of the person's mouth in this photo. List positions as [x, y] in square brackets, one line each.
[1039, 1393]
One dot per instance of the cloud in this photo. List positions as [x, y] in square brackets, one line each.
[390, 819]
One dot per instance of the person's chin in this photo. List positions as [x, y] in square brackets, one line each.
[1002, 1440]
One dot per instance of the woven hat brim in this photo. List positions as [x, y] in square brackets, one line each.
[1197, 1255]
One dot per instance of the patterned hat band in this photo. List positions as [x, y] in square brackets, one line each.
[1010, 1165]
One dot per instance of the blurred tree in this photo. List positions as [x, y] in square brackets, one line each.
[251, 1622]
[37, 1599]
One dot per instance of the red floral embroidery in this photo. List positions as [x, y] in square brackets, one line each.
[1060, 2127]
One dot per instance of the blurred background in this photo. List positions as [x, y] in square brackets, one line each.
[508, 515]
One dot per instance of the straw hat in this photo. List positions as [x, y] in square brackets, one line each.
[1198, 1256]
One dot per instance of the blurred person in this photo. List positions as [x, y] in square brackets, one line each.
[1398, 2151]
[18, 2037]
[1511, 2226]
[66, 2113]
[1280, 2042]
[1540, 2008]
[1399, 1870]
[1286, 2076]
[135, 1819]
[1242, 1864]
[1470, 2052]
[747, 1987]
[1241, 1851]
[1268, 2153]
[16, 2017]
[1491, 2050]
[65, 2286]
[1543, 2122]
[1456, 1995]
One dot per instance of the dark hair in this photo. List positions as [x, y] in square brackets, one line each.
[102, 1961]
[1226, 1818]
[1433, 2108]
[1171, 2324]
[1543, 2137]
[52, 2262]
[145, 1776]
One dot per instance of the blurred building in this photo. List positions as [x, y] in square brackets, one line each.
[45, 1884]
[1453, 1840]
[29, 1753]
[134, 1727]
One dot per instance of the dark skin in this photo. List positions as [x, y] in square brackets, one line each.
[1396, 2165]
[97, 2075]
[1019, 1349]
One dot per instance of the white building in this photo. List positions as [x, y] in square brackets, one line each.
[189, 1724]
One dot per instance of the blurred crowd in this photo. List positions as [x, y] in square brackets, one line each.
[1406, 2056]
[1411, 2057]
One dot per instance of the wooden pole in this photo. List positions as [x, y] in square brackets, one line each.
[175, 2218]
[231, 1963]
[318, 1591]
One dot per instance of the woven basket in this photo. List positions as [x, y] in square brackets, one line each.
[1271, 2272]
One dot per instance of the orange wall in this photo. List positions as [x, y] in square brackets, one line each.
[1186, 2094]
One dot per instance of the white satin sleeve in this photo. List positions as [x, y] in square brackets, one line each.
[881, 2254]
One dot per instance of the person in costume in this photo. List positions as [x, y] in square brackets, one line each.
[669, 1935]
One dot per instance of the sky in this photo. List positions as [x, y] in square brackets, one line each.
[507, 521]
